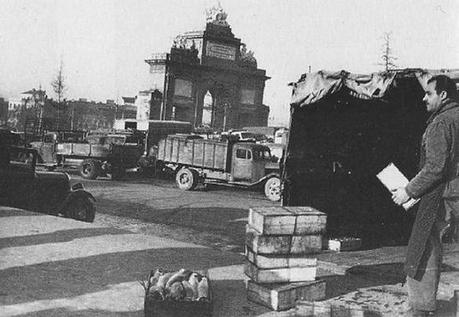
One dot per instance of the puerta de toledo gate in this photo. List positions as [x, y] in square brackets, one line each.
[209, 79]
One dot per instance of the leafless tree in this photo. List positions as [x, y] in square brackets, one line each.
[58, 84]
[387, 57]
[59, 88]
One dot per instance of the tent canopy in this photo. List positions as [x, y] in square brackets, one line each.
[313, 87]
[344, 129]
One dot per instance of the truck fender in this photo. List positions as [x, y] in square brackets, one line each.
[265, 178]
[75, 194]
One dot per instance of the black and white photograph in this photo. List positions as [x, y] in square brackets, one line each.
[229, 158]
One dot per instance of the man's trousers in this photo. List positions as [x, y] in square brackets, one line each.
[422, 290]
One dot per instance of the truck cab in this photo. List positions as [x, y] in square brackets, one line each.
[249, 161]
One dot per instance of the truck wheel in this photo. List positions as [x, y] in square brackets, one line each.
[186, 179]
[273, 189]
[89, 169]
[82, 209]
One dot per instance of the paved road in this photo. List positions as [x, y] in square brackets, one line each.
[215, 217]
[52, 266]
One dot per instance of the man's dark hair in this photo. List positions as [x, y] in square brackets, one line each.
[444, 83]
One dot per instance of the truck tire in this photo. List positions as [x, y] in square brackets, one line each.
[81, 208]
[186, 179]
[273, 188]
[89, 169]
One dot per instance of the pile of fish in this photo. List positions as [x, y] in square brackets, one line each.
[183, 285]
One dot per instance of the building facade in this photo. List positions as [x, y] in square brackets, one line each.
[34, 113]
[210, 79]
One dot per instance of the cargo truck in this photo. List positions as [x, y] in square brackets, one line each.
[196, 160]
[98, 154]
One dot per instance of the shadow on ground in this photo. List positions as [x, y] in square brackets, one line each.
[57, 236]
[80, 276]
[81, 313]
[229, 222]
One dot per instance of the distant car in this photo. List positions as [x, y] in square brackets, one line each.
[244, 136]
[22, 186]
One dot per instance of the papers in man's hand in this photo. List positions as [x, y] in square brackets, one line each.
[392, 178]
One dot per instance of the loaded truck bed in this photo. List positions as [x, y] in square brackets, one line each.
[194, 151]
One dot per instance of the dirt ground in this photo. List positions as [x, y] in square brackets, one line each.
[214, 216]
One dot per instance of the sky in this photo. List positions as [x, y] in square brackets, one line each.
[103, 43]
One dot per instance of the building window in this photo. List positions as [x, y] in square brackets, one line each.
[248, 96]
[183, 87]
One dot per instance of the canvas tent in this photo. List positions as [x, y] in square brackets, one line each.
[344, 129]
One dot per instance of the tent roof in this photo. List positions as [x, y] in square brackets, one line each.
[312, 87]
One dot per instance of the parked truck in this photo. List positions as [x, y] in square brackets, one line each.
[196, 160]
[98, 154]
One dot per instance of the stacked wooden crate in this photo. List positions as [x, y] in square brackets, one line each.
[279, 244]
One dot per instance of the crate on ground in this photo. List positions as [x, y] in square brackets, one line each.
[177, 294]
[156, 308]
[287, 220]
[344, 244]
[285, 296]
[280, 275]
[282, 244]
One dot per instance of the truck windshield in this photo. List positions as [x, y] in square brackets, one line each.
[261, 155]
[246, 135]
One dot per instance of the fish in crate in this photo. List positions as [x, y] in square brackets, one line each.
[182, 293]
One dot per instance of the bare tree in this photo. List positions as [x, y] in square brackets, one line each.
[387, 57]
[59, 88]
[58, 84]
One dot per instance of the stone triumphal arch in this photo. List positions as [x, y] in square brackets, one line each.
[210, 79]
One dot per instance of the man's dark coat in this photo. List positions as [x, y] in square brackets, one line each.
[438, 179]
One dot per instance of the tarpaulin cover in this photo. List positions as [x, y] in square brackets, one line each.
[313, 87]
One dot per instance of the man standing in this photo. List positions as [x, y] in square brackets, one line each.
[437, 184]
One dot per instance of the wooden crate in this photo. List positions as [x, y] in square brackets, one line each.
[282, 244]
[287, 220]
[344, 244]
[278, 261]
[285, 296]
[166, 308]
[280, 275]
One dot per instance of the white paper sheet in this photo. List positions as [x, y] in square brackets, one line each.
[392, 178]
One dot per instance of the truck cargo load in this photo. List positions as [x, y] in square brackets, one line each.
[194, 151]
